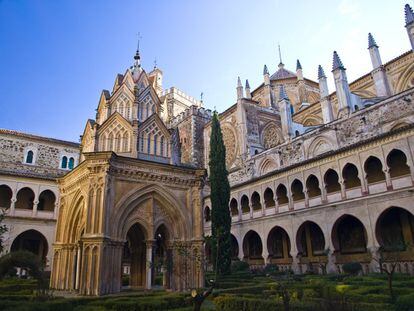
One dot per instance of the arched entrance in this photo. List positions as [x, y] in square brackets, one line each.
[278, 245]
[32, 241]
[162, 258]
[310, 242]
[253, 248]
[234, 247]
[394, 230]
[134, 257]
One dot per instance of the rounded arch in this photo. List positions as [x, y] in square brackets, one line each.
[349, 235]
[6, 195]
[278, 243]
[234, 209]
[267, 165]
[394, 229]
[373, 170]
[331, 179]
[318, 146]
[397, 163]
[252, 245]
[350, 176]
[47, 200]
[256, 204]
[268, 197]
[25, 198]
[297, 190]
[234, 247]
[32, 241]
[244, 202]
[312, 186]
[207, 214]
[405, 80]
[127, 207]
[310, 240]
[282, 195]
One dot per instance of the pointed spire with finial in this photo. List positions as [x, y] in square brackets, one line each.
[282, 93]
[280, 55]
[337, 63]
[239, 88]
[265, 71]
[321, 73]
[247, 84]
[298, 65]
[248, 94]
[409, 14]
[239, 84]
[371, 41]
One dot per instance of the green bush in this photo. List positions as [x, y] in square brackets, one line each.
[405, 303]
[352, 268]
[271, 269]
[239, 266]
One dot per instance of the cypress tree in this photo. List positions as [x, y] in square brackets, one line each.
[220, 196]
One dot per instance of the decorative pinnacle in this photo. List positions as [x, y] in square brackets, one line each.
[280, 56]
[371, 41]
[137, 56]
[239, 84]
[298, 65]
[247, 84]
[337, 63]
[409, 15]
[321, 73]
[282, 93]
[265, 71]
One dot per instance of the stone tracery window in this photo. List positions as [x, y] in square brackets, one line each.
[271, 136]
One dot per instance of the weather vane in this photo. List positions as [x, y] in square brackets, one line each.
[155, 63]
[201, 96]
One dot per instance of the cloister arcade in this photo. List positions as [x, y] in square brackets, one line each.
[322, 218]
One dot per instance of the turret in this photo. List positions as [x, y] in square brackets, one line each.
[409, 23]
[136, 69]
[268, 101]
[248, 94]
[343, 93]
[239, 89]
[378, 73]
[266, 76]
[326, 106]
[299, 70]
[285, 109]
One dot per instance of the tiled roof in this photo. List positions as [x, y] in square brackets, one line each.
[41, 138]
[282, 73]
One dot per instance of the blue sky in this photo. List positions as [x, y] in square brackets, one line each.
[57, 56]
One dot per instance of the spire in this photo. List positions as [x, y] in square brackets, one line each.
[282, 93]
[280, 57]
[247, 84]
[371, 41]
[239, 84]
[321, 73]
[409, 14]
[265, 71]
[337, 63]
[298, 65]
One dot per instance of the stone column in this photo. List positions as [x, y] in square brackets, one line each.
[375, 254]
[305, 192]
[388, 179]
[330, 266]
[251, 210]
[34, 211]
[148, 267]
[13, 204]
[296, 267]
[343, 190]
[276, 204]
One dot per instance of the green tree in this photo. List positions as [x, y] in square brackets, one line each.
[220, 196]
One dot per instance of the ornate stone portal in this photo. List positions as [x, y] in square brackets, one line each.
[110, 203]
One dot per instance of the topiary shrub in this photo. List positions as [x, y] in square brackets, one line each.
[271, 269]
[239, 266]
[352, 268]
[405, 303]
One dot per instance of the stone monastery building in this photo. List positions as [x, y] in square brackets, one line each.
[318, 178]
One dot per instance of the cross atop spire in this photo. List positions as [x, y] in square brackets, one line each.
[247, 84]
[409, 14]
[337, 63]
[321, 73]
[265, 71]
[298, 65]
[280, 56]
[155, 63]
[137, 56]
[371, 41]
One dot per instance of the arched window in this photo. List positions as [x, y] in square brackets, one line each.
[121, 109]
[162, 146]
[5, 196]
[350, 175]
[252, 245]
[207, 214]
[46, 201]
[155, 144]
[332, 181]
[233, 207]
[373, 169]
[153, 109]
[25, 198]
[256, 205]
[281, 195]
[312, 185]
[148, 109]
[349, 236]
[71, 163]
[125, 141]
[245, 204]
[64, 162]
[278, 243]
[128, 112]
[310, 239]
[29, 157]
[110, 142]
[149, 144]
[397, 162]
[268, 198]
[297, 191]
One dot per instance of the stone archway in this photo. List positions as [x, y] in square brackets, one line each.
[32, 241]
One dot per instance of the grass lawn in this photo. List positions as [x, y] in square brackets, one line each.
[239, 291]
